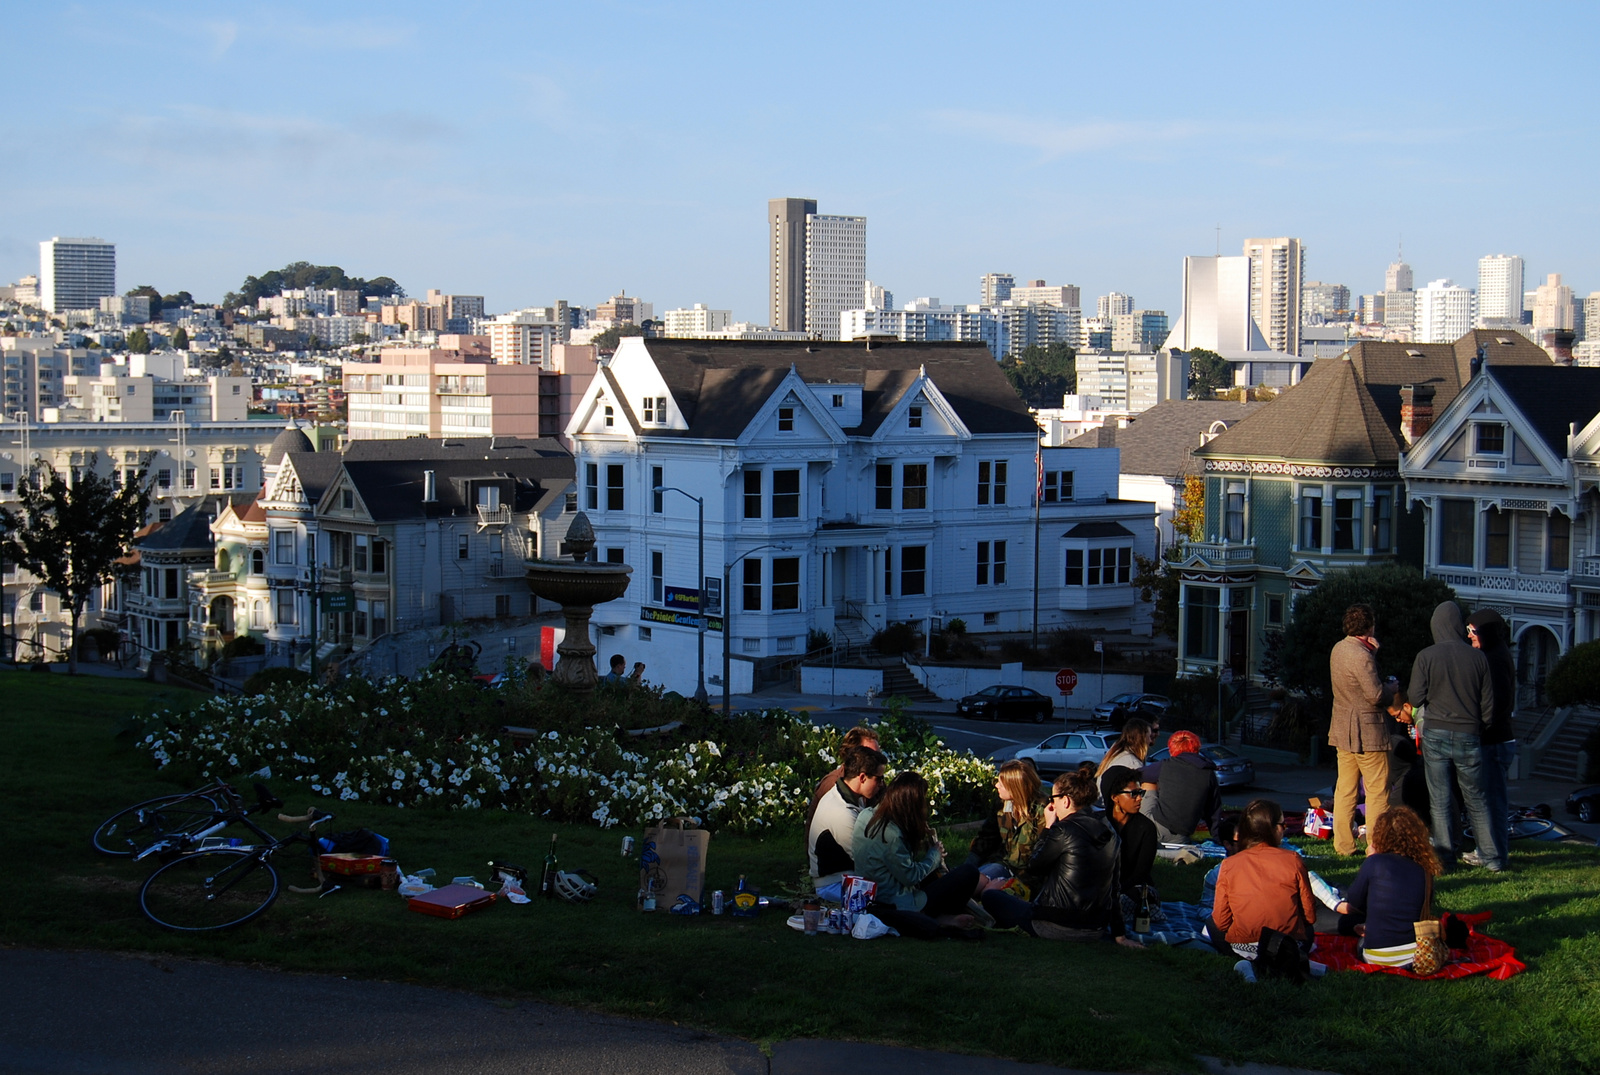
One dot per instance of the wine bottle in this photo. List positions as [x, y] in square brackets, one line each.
[547, 879]
[1141, 918]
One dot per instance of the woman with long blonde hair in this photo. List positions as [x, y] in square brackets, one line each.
[1005, 843]
[1130, 748]
[1394, 887]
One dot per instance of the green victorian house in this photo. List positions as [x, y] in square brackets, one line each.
[1311, 483]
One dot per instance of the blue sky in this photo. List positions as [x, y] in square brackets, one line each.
[530, 152]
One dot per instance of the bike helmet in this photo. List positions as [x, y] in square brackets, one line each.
[575, 887]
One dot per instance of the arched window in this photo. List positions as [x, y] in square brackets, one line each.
[258, 561]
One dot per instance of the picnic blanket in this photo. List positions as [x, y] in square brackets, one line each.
[1182, 929]
[1483, 955]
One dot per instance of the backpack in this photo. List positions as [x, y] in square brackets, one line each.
[355, 842]
[1278, 956]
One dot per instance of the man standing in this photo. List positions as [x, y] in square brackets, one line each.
[830, 837]
[1451, 686]
[1359, 731]
[1488, 632]
[859, 736]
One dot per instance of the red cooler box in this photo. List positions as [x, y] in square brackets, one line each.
[451, 901]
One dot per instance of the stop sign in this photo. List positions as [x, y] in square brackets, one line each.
[1066, 680]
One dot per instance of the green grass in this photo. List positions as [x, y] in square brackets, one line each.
[63, 770]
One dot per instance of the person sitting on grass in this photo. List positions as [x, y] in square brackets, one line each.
[830, 840]
[1261, 886]
[619, 666]
[1119, 788]
[1073, 873]
[858, 736]
[1393, 888]
[1005, 843]
[896, 847]
[1181, 791]
[1130, 749]
[1225, 835]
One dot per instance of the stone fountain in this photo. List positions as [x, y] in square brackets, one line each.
[578, 586]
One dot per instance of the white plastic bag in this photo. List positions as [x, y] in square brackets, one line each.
[869, 926]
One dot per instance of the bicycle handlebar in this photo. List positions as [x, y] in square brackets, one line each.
[315, 817]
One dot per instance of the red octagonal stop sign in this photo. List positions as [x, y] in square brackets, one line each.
[1066, 680]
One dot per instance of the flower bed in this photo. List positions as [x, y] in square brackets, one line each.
[436, 741]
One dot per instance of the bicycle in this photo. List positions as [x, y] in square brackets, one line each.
[134, 831]
[223, 887]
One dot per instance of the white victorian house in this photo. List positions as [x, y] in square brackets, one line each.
[1506, 476]
[845, 486]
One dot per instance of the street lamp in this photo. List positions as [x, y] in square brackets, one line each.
[700, 695]
[727, 611]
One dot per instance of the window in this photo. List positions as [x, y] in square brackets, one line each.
[361, 616]
[1057, 486]
[258, 615]
[610, 417]
[497, 546]
[1559, 545]
[785, 419]
[885, 477]
[1099, 567]
[361, 547]
[283, 547]
[163, 479]
[838, 400]
[463, 547]
[1201, 604]
[1346, 520]
[1455, 532]
[285, 614]
[785, 583]
[991, 619]
[347, 499]
[914, 418]
[1275, 610]
[649, 410]
[657, 570]
[1490, 438]
[613, 556]
[644, 634]
[913, 570]
[489, 497]
[992, 481]
[171, 575]
[380, 556]
[752, 494]
[752, 585]
[571, 505]
[614, 487]
[914, 487]
[502, 605]
[380, 615]
[1382, 520]
[661, 410]
[1234, 510]
[1496, 538]
[657, 493]
[991, 563]
[786, 494]
[1311, 519]
[258, 561]
[530, 548]
[591, 486]
[188, 477]
[8, 481]
[1074, 575]
[216, 480]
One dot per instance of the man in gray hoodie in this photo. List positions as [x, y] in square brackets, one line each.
[1451, 681]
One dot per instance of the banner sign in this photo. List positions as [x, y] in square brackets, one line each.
[678, 619]
[683, 597]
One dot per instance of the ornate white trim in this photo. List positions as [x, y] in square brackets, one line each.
[1298, 470]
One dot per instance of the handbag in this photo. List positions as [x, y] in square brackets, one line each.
[1432, 952]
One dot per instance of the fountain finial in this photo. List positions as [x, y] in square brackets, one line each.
[580, 537]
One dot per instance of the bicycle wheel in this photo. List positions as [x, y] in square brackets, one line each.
[136, 828]
[209, 890]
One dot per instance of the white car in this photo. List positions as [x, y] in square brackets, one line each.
[1065, 751]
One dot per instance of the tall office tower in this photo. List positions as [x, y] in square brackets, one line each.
[1369, 309]
[995, 288]
[1499, 290]
[836, 270]
[786, 219]
[1552, 305]
[1443, 312]
[1277, 271]
[1591, 316]
[1397, 277]
[877, 298]
[1140, 331]
[1113, 305]
[75, 274]
[1037, 291]
[1321, 303]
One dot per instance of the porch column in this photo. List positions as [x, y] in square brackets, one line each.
[1224, 606]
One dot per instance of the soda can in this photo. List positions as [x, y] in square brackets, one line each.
[627, 846]
[718, 903]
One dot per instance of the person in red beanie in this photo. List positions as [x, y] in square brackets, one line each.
[1181, 790]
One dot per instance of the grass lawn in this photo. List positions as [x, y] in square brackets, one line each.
[63, 770]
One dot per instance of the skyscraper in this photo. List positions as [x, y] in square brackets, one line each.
[75, 274]
[1113, 305]
[1552, 305]
[1442, 312]
[995, 288]
[1397, 277]
[1277, 271]
[818, 267]
[1499, 290]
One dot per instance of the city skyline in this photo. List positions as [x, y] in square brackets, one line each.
[201, 179]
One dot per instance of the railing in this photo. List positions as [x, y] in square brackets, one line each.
[1505, 581]
[488, 517]
[1222, 552]
[1589, 566]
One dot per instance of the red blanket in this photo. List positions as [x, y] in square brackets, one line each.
[1483, 955]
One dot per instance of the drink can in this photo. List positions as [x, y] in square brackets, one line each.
[627, 846]
[718, 902]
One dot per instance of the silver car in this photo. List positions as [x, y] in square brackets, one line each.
[1234, 770]
[1065, 751]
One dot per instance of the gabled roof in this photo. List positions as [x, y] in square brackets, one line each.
[391, 489]
[190, 529]
[1162, 439]
[1551, 398]
[315, 471]
[424, 447]
[719, 385]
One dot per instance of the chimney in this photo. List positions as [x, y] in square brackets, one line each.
[1416, 411]
[430, 488]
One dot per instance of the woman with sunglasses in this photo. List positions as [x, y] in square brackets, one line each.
[1119, 787]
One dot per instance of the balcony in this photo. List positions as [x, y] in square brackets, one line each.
[1222, 553]
[1554, 584]
[493, 518]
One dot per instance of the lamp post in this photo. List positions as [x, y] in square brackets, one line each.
[727, 611]
[700, 694]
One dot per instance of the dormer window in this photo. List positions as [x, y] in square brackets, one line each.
[610, 417]
[650, 409]
[914, 418]
[838, 400]
[785, 419]
[1489, 438]
[661, 409]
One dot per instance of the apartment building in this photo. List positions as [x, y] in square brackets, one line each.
[1277, 274]
[75, 274]
[818, 266]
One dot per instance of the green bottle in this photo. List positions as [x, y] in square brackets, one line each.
[547, 878]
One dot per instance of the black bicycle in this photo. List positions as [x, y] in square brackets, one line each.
[195, 814]
[223, 887]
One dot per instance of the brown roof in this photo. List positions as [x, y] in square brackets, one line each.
[719, 385]
[1162, 439]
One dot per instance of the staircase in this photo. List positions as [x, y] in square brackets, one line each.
[1559, 760]
[898, 680]
[851, 634]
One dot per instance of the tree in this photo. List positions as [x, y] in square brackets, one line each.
[224, 355]
[180, 339]
[1189, 516]
[1158, 585]
[608, 340]
[176, 301]
[302, 274]
[139, 342]
[71, 536]
[1575, 680]
[1402, 599]
[1208, 372]
[1042, 375]
[146, 291]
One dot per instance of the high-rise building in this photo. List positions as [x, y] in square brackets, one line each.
[818, 268]
[1142, 331]
[75, 274]
[1552, 305]
[523, 338]
[1591, 316]
[1397, 277]
[1321, 303]
[995, 288]
[1216, 308]
[1113, 305]
[694, 320]
[1277, 271]
[1055, 294]
[877, 298]
[1443, 312]
[1499, 290]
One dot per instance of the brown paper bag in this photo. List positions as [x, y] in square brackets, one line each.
[673, 861]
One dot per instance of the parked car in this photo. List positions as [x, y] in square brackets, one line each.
[1065, 751]
[1585, 802]
[1234, 770]
[1116, 711]
[1005, 702]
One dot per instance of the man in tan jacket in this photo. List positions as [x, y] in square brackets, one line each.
[1360, 729]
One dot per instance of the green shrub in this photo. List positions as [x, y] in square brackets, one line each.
[1575, 680]
[242, 646]
[265, 680]
[898, 638]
